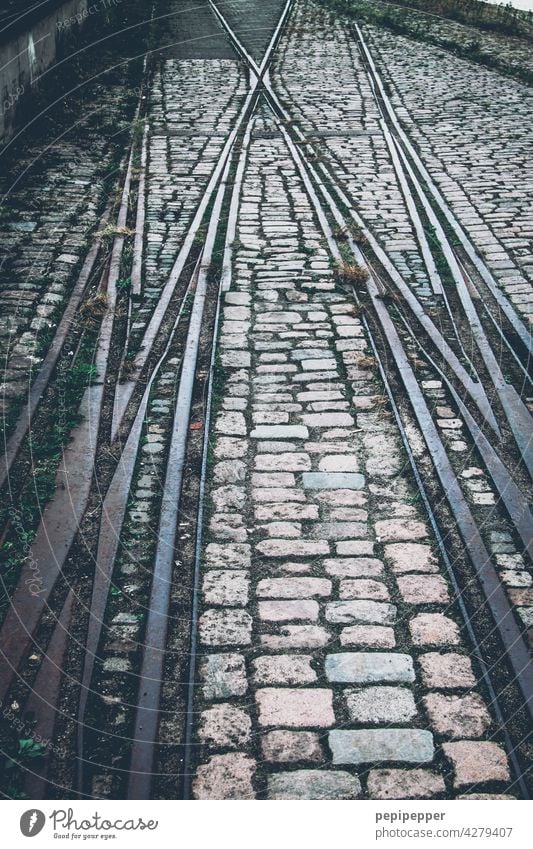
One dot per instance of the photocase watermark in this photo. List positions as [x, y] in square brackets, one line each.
[25, 731]
[32, 822]
[34, 582]
[62, 396]
[64, 824]
[12, 98]
[94, 9]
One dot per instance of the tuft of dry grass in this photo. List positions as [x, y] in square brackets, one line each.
[351, 273]
[340, 233]
[112, 230]
[128, 370]
[358, 235]
[93, 309]
[366, 362]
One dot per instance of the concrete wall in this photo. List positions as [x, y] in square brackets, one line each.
[31, 52]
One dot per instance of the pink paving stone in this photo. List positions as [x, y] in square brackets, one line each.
[446, 670]
[291, 746]
[231, 423]
[423, 589]
[391, 530]
[228, 526]
[228, 556]
[457, 716]
[287, 510]
[433, 629]
[327, 419]
[376, 636]
[380, 705]
[497, 796]
[353, 567]
[228, 498]
[293, 588]
[476, 762]
[227, 776]
[297, 637]
[286, 669]
[227, 447]
[226, 587]
[352, 547]
[295, 708]
[352, 514]
[275, 480]
[324, 447]
[404, 784]
[288, 611]
[276, 495]
[291, 567]
[338, 463]
[340, 531]
[360, 610]
[411, 557]
[283, 529]
[224, 726]
[363, 589]
[225, 627]
[286, 462]
[223, 676]
[341, 497]
[292, 548]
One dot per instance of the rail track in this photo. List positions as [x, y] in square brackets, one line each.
[510, 632]
[482, 396]
[64, 515]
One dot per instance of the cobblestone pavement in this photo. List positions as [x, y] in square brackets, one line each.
[333, 664]
[51, 206]
[194, 103]
[317, 56]
[333, 659]
[470, 125]
[484, 46]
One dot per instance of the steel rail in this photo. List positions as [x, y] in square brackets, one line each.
[477, 653]
[514, 500]
[124, 391]
[433, 274]
[233, 212]
[39, 385]
[62, 515]
[43, 702]
[225, 285]
[520, 329]
[514, 408]
[151, 674]
[136, 267]
[113, 512]
[525, 369]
